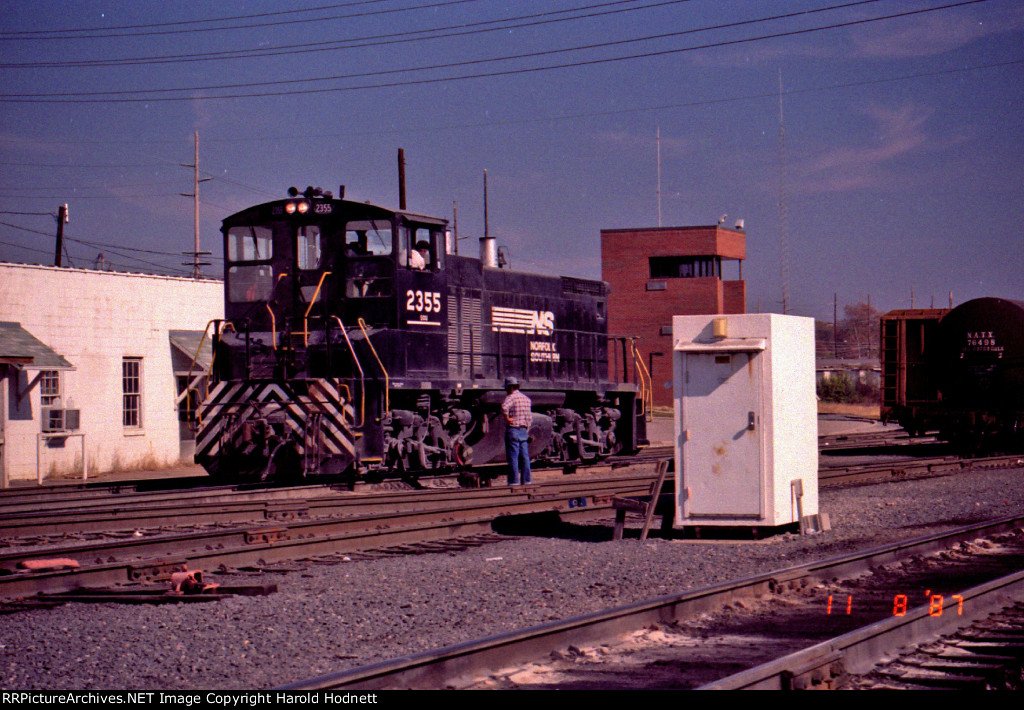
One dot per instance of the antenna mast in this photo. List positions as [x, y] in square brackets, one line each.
[658, 141]
[783, 206]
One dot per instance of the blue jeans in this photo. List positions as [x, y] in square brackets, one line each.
[517, 453]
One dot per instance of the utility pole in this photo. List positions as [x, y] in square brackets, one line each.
[62, 219]
[870, 327]
[835, 327]
[195, 253]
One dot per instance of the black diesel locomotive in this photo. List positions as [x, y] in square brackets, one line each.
[355, 340]
[957, 371]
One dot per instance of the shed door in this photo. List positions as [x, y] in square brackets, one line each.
[722, 412]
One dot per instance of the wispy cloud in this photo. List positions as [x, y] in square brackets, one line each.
[632, 141]
[921, 35]
[932, 33]
[26, 147]
[897, 133]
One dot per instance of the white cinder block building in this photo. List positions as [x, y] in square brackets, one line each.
[96, 360]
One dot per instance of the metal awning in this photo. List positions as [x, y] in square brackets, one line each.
[723, 345]
[20, 348]
[188, 342]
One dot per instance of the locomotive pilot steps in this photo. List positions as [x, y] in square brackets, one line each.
[355, 340]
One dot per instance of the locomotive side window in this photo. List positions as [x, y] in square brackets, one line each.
[419, 248]
[250, 283]
[370, 237]
[250, 243]
[308, 247]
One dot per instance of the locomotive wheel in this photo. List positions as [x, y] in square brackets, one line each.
[428, 457]
[587, 453]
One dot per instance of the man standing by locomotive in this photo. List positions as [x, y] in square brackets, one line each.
[518, 417]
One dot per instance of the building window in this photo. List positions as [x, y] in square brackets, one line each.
[131, 386]
[50, 388]
[685, 267]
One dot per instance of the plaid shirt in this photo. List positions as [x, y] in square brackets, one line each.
[517, 407]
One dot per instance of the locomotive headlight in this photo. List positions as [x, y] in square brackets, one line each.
[303, 207]
[290, 208]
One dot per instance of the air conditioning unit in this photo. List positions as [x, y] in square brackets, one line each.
[56, 420]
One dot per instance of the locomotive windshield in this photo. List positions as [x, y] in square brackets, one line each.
[370, 237]
[307, 247]
[250, 243]
[250, 283]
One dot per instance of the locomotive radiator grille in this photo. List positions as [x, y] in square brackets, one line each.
[464, 335]
[291, 405]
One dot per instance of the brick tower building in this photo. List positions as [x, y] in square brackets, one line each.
[661, 272]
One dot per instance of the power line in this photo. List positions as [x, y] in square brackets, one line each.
[118, 196]
[25, 229]
[98, 245]
[193, 22]
[101, 34]
[101, 245]
[20, 246]
[100, 187]
[444, 32]
[84, 165]
[543, 119]
[111, 95]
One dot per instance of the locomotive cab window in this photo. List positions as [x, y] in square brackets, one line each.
[420, 248]
[250, 283]
[307, 248]
[250, 243]
[369, 237]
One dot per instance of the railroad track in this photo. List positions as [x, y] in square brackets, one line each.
[247, 507]
[987, 654]
[392, 520]
[912, 468]
[953, 641]
[874, 439]
[701, 638]
[202, 489]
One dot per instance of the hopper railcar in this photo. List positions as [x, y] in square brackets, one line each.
[959, 372]
[356, 340]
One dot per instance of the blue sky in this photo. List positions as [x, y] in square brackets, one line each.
[901, 168]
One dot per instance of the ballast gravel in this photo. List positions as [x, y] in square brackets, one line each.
[329, 617]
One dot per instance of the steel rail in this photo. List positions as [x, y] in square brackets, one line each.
[159, 513]
[459, 663]
[28, 496]
[859, 651]
[291, 540]
[911, 468]
[51, 498]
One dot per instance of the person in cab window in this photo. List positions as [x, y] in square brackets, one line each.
[420, 255]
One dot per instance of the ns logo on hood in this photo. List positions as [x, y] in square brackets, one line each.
[521, 320]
